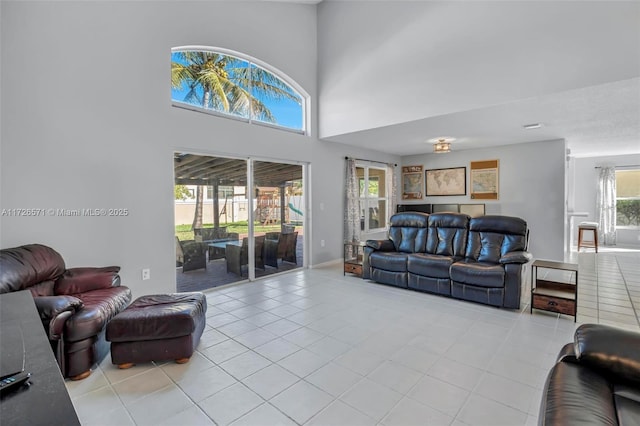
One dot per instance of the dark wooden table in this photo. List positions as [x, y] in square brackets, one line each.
[46, 401]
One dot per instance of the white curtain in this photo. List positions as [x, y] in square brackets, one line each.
[391, 177]
[606, 204]
[352, 203]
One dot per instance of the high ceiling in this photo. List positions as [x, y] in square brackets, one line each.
[479, 71]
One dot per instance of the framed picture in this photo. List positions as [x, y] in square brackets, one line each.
[484, 180]
[447, 181]
[411, 182]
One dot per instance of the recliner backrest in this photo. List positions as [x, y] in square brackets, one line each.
[408, 231]
[31, 265]
[491, 237]
[447, 234]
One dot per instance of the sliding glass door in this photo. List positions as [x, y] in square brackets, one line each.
[236, 219]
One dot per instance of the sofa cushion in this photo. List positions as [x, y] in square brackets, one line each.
[408, 231]
[491, 237]
[447, 234]
[429, 265]
[478, 273]
[45, 288]
[24, 266]
[100, 306]
[389, 261]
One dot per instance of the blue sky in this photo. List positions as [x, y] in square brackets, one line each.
[286, 112]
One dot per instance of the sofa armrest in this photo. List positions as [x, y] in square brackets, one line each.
[516, 257]
[81, 280]
[381, 245]
[614, 352]
[54, 311]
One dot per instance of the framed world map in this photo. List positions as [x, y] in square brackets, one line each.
[451, 181]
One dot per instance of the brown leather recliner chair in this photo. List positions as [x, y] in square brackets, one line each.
[75, 304]
[595, 381]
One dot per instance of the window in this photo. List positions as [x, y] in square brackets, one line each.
[234, 85]
[374, 198]
[628, 198]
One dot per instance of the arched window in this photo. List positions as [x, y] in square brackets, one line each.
[231, 84]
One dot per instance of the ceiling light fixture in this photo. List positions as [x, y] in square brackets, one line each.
[532, 126]
[441, 145]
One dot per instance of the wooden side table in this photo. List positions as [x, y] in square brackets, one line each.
[353, 256]
[554, 295]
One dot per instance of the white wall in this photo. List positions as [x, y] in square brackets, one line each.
[586, 191]
[531, 187]
[87, 123]
[441, 57]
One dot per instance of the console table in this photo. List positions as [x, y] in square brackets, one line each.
[46, 401]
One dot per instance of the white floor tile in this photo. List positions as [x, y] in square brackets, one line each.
[440, 395]
[224, 351]
[482, 411]
[455, 373]
[255, 338]
[339, 413]
[192, 416]
[281, 327]
[159, 405]
[360, 361]
[329, 347]
[277, 349]
[301, 401]
[303, 362]
[93, 406]
[303, 336]
[230, 404]
[372, 399]
[333, 379]
[270, 381]
[506, 391]
[409, 412]
[245, 364]
[206, 383]
[395, 376]
[415, 358]
[137, 387]
[264, 415]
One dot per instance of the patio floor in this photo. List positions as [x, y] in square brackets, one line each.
[216, 273]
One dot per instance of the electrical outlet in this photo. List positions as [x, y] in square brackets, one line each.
[321, 243]
[146, 274]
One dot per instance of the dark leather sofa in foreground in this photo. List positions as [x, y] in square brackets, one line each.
[596, 380]
[478, 259]
[75, 304]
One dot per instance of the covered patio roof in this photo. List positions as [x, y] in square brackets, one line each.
[191, 169]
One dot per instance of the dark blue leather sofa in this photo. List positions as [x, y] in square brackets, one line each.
[478, 259]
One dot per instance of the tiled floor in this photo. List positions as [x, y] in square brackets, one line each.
[316, 348]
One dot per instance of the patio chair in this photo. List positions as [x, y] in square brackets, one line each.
[289, 243]
[272, 249]
[191, 255]
[280, 246]
[237, 256]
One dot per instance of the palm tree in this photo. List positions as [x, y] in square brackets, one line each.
[229, 84]
[226, 83]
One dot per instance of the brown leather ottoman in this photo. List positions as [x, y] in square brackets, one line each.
[157, 328]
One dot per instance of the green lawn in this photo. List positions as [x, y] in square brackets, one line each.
[184, 232]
